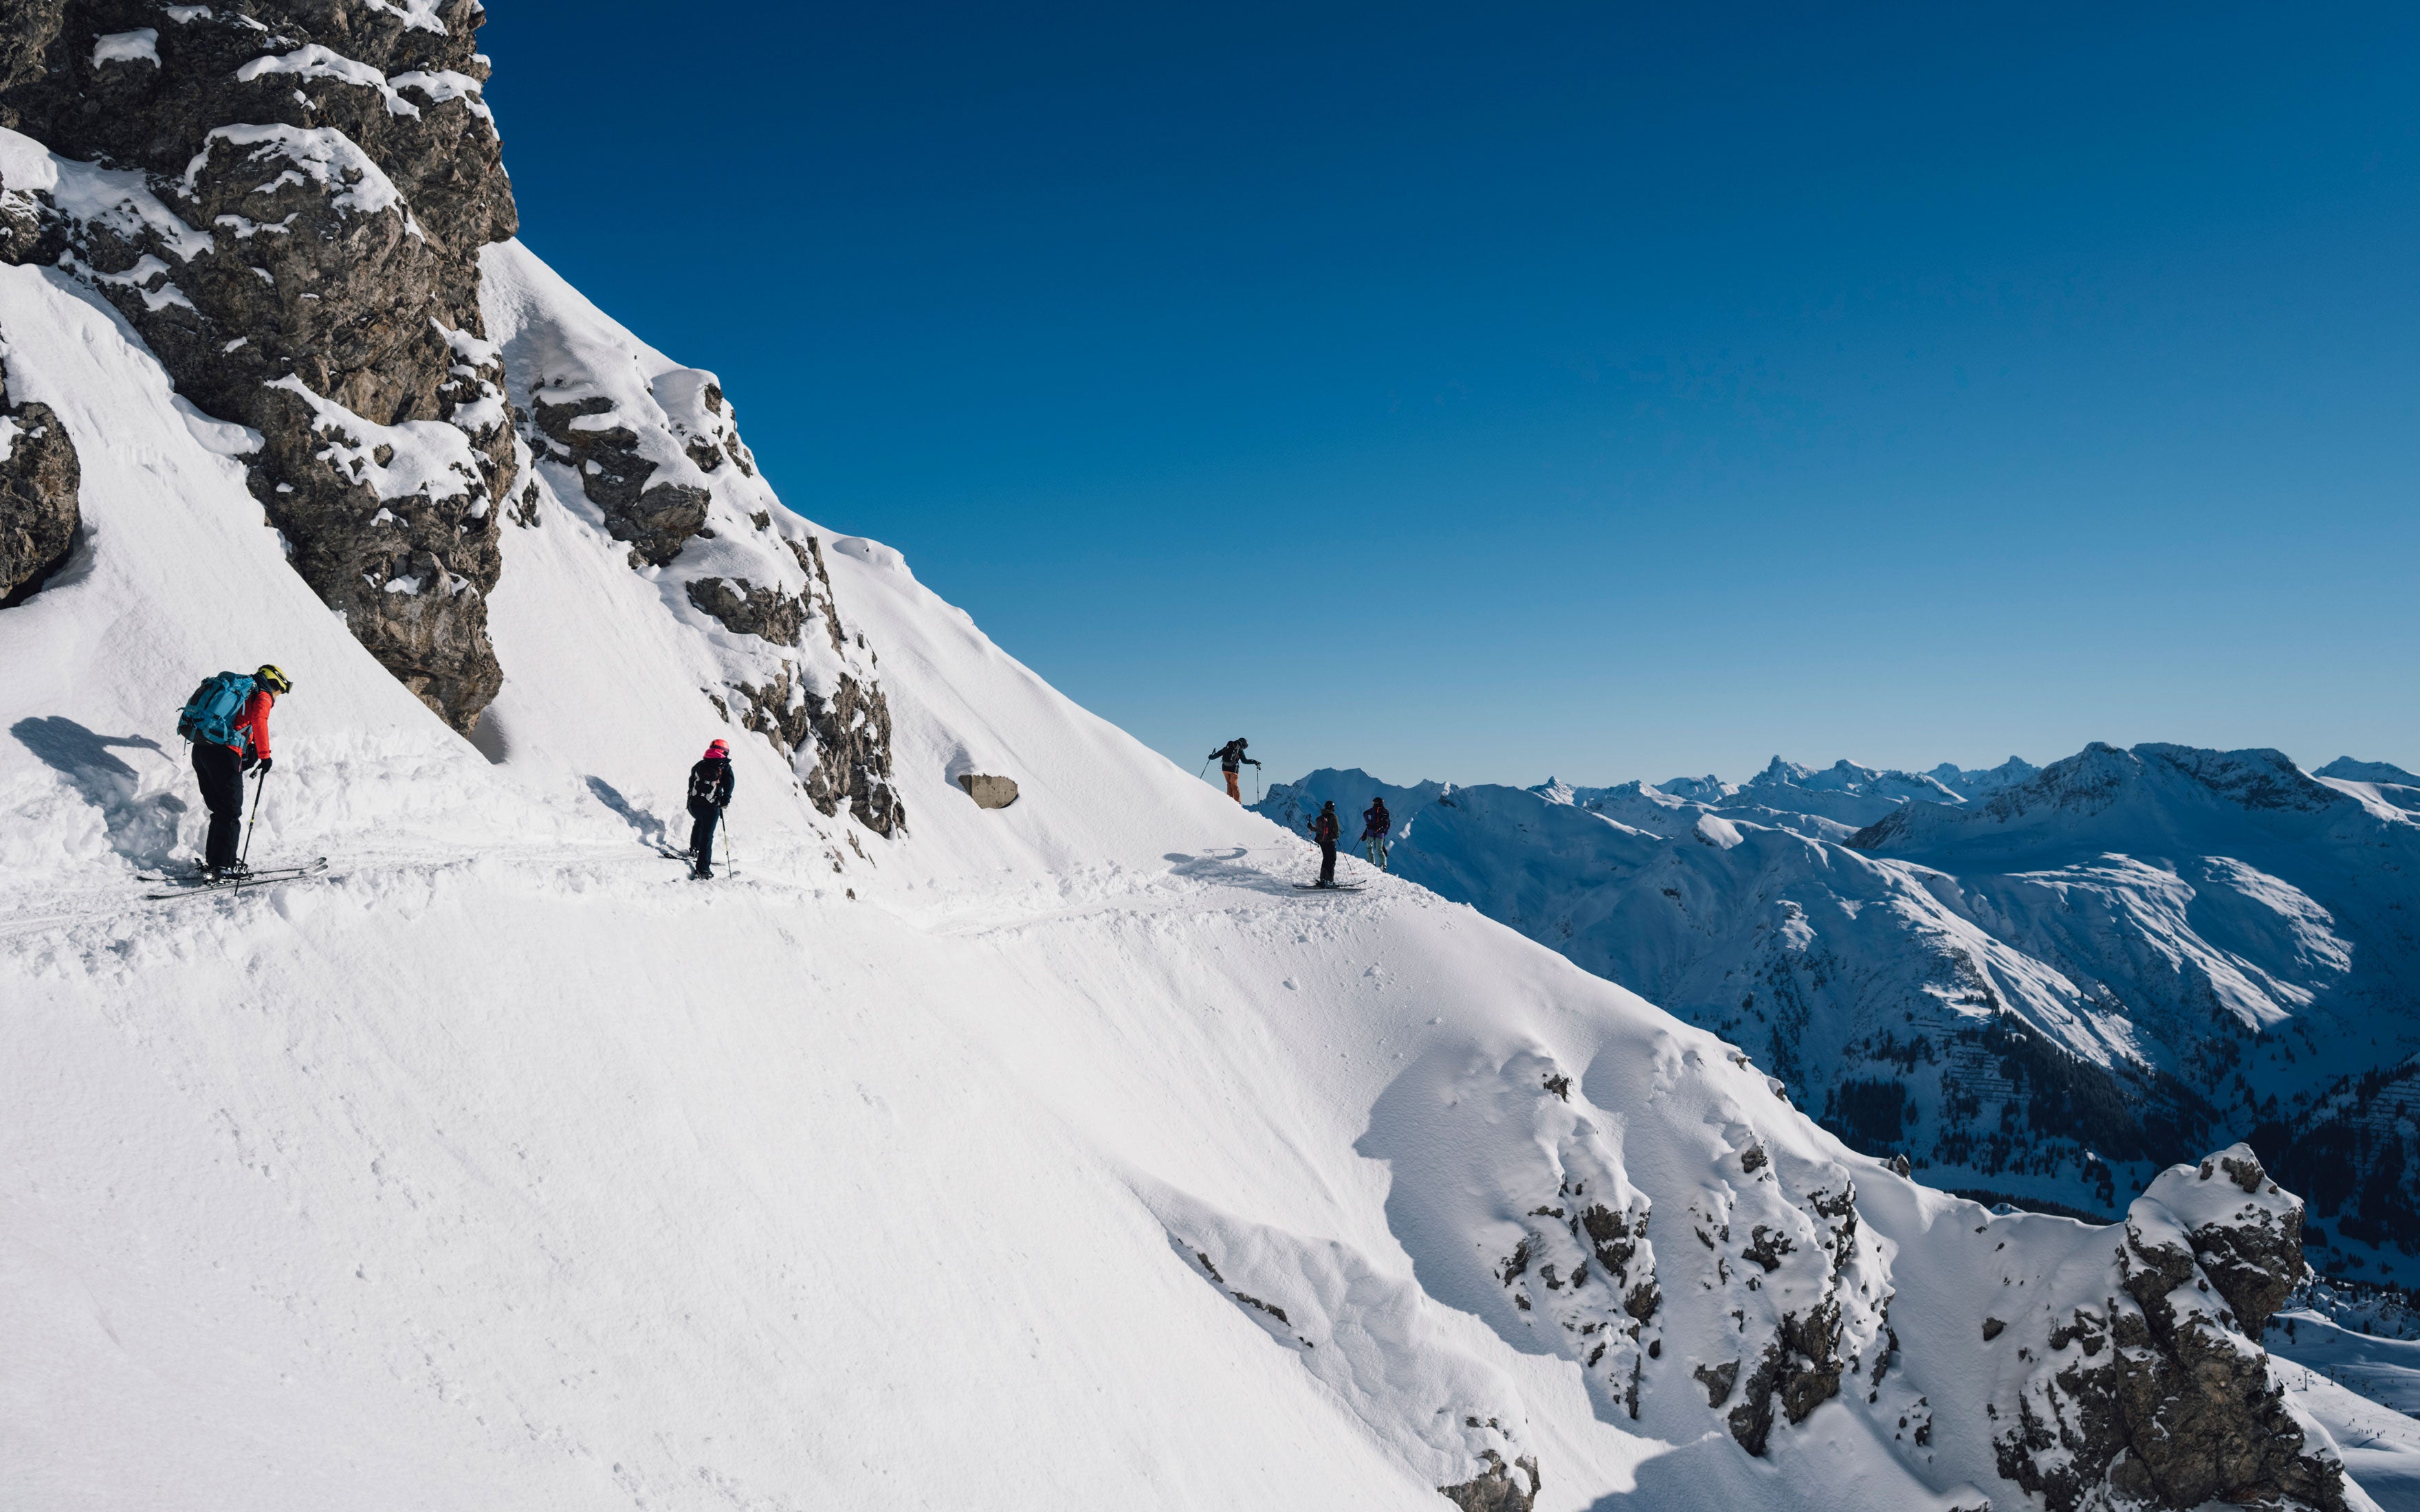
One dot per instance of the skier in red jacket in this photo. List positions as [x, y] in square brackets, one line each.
[221, 768]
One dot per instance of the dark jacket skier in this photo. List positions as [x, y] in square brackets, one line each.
[220, 770]
[1324, 828]
[1376, 822]
[710, 785]
[1231, 759]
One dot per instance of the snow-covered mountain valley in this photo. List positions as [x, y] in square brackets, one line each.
[1046, 1150]
[2038, 983]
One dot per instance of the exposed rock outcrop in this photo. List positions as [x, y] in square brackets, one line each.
[39, 477]
[649, 452]
[287, 203]
[989, 792]
[845, 729]
[1498, 1489]
[2154, 1392]
[658, 519]
[1822, 1313]
[852, 731]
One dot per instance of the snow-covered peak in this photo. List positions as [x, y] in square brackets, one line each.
[2350, 770]
[2130, 798]
[1707, 789]
[1973, 781]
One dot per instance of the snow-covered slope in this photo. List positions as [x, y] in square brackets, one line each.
[505, 1166]
[2048, 990]
[1062, 1154]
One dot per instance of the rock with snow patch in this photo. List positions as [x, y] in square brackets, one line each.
[2148, 1387]
[38, 475]
[291, 216]
[1499, 1489]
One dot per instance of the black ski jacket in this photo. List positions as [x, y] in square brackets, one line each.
[1230, 757]
[1323, 827]
[1375, 819]
[709, 785]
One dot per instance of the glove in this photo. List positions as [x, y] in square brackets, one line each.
[265, 763]
[251, 762]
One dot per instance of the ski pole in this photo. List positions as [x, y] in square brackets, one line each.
[728, 864]
[258, 788]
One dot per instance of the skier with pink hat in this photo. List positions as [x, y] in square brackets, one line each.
[709, 788]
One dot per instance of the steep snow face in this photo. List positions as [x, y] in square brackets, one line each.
[634, 448]
[1058, 1156]
[2048, 991]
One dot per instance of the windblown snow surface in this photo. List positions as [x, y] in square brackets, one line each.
[1064, 1155]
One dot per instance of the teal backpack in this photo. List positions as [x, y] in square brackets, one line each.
[210, 715]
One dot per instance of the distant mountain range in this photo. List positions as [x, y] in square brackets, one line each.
[2038, 983]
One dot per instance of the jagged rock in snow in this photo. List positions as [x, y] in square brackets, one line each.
[2139, 1381]
[38, 475]
[659, 519]
[295, 209]
[291, 215]
[645, 452]
[1498, 1489]
[989, 792]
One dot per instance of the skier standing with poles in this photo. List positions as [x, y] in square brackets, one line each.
[710, 786]
[228, 721]
[1376, 822]
[1324, 828]
[1231, 759]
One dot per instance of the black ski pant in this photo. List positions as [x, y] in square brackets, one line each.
[1327, 862]
[702, 816]
[221, 771]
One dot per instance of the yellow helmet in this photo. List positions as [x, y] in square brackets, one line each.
[273, 680]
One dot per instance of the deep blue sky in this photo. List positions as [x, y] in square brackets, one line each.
[1483, 392]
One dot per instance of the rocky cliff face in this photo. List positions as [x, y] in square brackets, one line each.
[38, 497]
[288, 205]
[647, 453]
[2156, 1393]
[291, 202]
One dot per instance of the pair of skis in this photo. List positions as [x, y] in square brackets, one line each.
[193, 884]
[687, 858]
